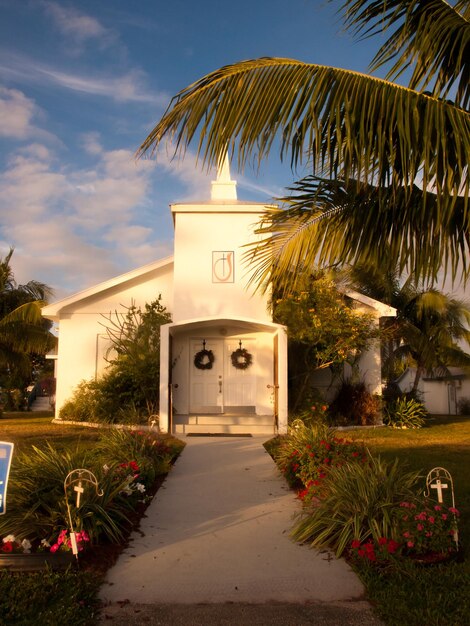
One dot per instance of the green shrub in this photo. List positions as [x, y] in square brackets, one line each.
[313, 409]
[308, 453]
[463, 406]
[354, 405]
[37, 507]
[89, 403]
[360, 501]
[128, 390]
[405, 413]
[151, 452]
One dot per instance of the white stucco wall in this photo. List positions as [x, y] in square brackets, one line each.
[435, 393]
[81, 323]
[201, 230]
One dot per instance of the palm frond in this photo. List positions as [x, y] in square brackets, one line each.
[352, 126]
[24, 329]
[29, 313]
[328, 222]
[431, 36]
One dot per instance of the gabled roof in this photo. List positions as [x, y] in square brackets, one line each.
[385, 310]
[51, 311]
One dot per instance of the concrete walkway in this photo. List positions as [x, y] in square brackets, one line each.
[218, 532]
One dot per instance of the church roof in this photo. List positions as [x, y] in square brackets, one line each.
[51, 311]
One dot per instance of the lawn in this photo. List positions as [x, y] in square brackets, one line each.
[31, 428]
[407, 594]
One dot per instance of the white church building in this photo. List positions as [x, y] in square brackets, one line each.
[223, 366]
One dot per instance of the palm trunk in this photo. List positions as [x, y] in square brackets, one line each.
[419, 372]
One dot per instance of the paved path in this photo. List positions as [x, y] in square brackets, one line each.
[218, 532]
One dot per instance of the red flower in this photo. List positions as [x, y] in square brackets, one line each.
[7, 546]
[382, 541]
[392, 546]
[355, 543]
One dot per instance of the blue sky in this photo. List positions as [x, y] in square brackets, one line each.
[82, 83]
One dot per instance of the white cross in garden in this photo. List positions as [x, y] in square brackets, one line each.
[439, 486]
[79, 489]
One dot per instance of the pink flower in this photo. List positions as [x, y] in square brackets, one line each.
[54, 547]
[431, 519]
[420, 527]
[444, 516]
[410, 544]
[454, 511]
[437, 507]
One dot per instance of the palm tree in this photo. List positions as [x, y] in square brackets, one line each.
[428, 326]
[387, 164]
[23, 330]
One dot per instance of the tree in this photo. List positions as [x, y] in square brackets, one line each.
[431, 323]
[129, 389]
[24, 333]
[324, 331]
[387, 164]
[134, 355]
[428, 324]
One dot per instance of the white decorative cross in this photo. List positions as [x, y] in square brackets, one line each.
[79, 489]
[439, 486]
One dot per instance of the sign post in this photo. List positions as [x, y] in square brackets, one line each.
[6, 452]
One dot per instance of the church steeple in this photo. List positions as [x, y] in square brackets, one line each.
[224, 188]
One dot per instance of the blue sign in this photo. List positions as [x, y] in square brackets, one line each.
[6, 452]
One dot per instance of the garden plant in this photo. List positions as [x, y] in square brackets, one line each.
[403, 545]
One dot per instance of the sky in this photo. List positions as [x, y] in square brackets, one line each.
[83, 82]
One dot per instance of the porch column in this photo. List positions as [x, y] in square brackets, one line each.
[282, 381]
[164, 376]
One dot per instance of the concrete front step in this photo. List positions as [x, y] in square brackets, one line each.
[42, 403]
[217, 424]
[256, 420]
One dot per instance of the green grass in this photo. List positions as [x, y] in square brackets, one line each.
[31, 429]
[49, 598]
[416, 595]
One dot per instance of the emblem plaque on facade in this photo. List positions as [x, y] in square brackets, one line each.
[223, 270]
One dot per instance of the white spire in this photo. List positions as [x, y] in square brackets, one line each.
[224, 188]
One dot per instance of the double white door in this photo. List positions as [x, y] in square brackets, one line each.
[223, 388]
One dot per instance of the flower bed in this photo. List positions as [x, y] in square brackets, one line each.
[129, 466]
[360, 506]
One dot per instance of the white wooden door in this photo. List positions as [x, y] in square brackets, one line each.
[206, 384]
[239, 384]
[223, 387]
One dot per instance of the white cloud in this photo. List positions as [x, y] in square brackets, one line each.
[188, 170]
[16, 114]
[78, 26]
[91, 143]
[129, 87]
[73, 227]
